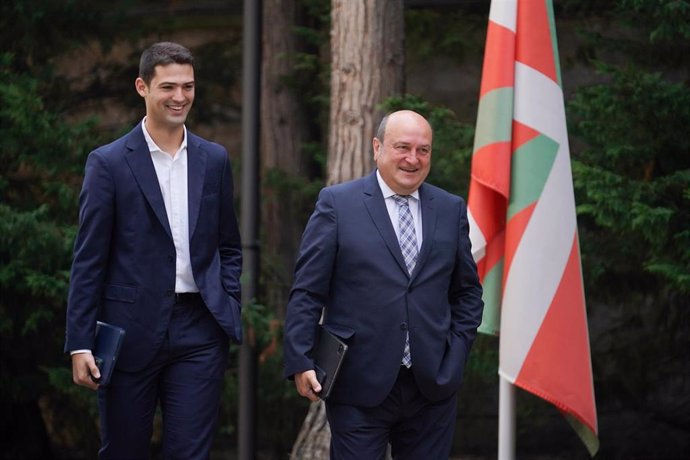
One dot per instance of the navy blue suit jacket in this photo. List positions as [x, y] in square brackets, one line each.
[350, 262]
[123, 270]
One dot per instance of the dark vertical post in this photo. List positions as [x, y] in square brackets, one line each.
[251, 79]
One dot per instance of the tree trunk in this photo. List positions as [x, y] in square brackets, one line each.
[314, 438]
[283, 134]
[367, 59]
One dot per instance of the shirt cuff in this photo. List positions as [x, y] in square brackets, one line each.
[77, 352]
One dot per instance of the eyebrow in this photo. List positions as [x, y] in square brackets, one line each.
[191, 82]
[400, 143]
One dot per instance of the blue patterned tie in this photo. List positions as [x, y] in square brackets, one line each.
[408, 245]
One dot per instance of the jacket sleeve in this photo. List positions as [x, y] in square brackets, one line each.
[311, 285]
[230, 247]
[466, 291]
[91, 249]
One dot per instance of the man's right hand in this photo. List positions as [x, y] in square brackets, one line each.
[307, 385]
[83, 368]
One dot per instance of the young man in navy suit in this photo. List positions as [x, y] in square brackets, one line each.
[157, 253]
[388, 257]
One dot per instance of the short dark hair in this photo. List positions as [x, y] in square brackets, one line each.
[162, 53]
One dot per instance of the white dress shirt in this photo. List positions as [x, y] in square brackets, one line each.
[172, 178]
[392, 207]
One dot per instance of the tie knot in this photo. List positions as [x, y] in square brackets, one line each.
[401, 199]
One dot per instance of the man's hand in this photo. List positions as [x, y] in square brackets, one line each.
[307, 385]
[83, 368]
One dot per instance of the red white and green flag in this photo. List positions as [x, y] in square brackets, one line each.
[522, 216]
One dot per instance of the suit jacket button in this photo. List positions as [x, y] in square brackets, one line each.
[170, 292]
[403, 326]
[171, 258]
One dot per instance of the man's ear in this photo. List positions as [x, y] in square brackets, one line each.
[376, 144]
[140, 86]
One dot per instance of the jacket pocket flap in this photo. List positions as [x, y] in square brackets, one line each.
[120, 293]
[343, 332]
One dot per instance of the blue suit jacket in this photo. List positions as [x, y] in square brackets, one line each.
[123, 270]
[350, 262]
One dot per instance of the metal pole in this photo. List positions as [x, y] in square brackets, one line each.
[506, 420]
[251, 57]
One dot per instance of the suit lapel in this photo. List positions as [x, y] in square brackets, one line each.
[196, 170]
[428, 226]
[376, 206]
[140, 163]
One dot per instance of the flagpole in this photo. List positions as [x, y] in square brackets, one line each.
[506, 419]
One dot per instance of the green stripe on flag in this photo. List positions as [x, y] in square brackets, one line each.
[494, 117]
[493, 291]
[554, 41]
[531, 166]
[590, 440]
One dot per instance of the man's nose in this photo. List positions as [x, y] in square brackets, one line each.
[414, 155]
[178, 94]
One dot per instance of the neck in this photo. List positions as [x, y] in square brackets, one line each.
[167, 138]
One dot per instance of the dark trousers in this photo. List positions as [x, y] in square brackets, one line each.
[415, 427]
[185, 377]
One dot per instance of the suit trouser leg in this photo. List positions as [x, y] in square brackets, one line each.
[416, 427]
[425, 433]
[126, 408]
[186, 377]
[190, 388]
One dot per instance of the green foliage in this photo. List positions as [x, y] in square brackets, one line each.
[319, 10]
[39, 152]
[633, 178]
[33, 32]
[217, 66]
[38, 187]
[280, 410]
[631, 170]
[669, 19]
[42, 154]
[301, 191]
[310, 76]
[437, 32]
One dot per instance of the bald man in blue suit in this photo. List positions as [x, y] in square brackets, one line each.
[407, 303]
[157, 253]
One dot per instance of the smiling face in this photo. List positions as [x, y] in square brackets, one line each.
[169, 96]
[404, 156]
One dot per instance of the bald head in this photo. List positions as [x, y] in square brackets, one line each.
[381, 131]
[402, 150]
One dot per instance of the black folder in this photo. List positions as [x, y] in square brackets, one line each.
[328, 356]
[109, 339]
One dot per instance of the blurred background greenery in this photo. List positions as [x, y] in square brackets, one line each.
[68, 69]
